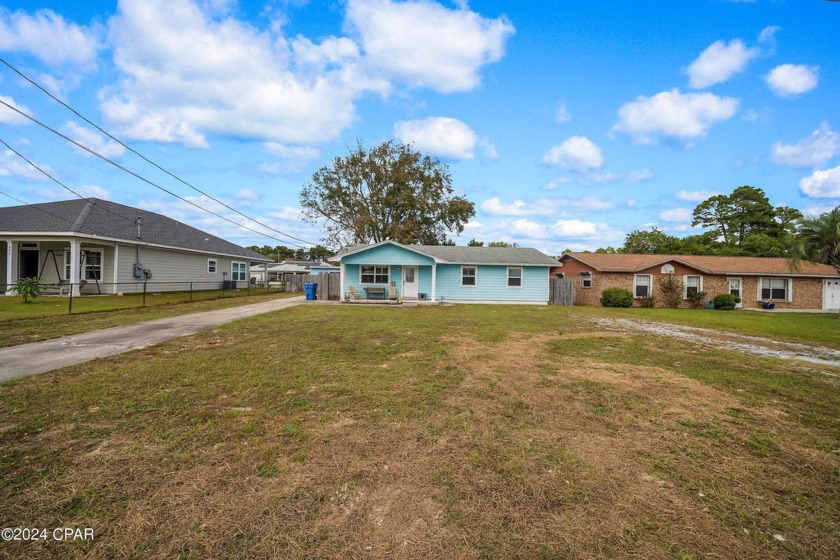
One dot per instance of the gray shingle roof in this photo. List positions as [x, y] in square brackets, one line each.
[473, 255]
[94, 217]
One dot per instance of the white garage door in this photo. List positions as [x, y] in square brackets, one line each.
[831, 294]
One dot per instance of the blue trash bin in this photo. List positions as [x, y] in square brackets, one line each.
[311, 291]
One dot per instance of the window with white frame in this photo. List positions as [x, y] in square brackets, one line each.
[211, 266]
[585, 279]
[469, 276]
[372, 274]
[93, 265]
[642, 285]
[67, 264]
[693, 286]
[238, 271]
[514, 277]
[775, 288]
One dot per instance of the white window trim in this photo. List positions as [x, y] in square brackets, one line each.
[215, 266]
[375, 266]
[650, 285]
[236, 279]
[685, 284]
[507, 277]
[584, 274]
[789, 290]
[84, 268]
[475, 268]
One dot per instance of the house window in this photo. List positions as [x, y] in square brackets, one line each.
[93, 265]
[642, 285]
[514, 277]
[469, 276]
[585, 279]
[693, 286]
[211, 266]
[238, 271]
[775, 288]
[67, 265]
[374, 274]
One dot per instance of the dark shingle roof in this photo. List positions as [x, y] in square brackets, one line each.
[469, 255]
[92, 217]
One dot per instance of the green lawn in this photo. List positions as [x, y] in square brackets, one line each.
[821, 329]
[427, 432]
[47, 317]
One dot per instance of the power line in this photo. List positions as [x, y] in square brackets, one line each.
[144, 158]
[33, 164]
[38, 207]
[140, 177]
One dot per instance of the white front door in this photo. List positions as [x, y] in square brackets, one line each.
[735, 290]
[409, 282]
[831, 294]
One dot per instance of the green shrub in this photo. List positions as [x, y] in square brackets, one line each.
[616, 297]
[670, 290]
[28, 288]
[726, 302]
[697, 300]
[648, 302]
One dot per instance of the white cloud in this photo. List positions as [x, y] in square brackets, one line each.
[86, 191]
[719, 62]
[202, 75]
[576, 153]
[7, 116]
[673, 114]
[544, 206]
[822, 183]
[789, 80]
[438, 136]
[676, 215]
[11, 165]
[561, 114]
[768, 35]
[246, 195]
[426, 44]
[293, 158]
[46, 36]
[812, 151]
[695, 196]
[581, 229]
[639, 176]
[92, 140]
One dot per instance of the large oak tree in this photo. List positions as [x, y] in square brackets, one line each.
[388, 192]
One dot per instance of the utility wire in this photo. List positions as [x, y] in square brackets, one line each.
[38, 207]
[140, 177]
[144, 158]
[30, 162]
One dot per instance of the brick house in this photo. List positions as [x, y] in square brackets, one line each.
[754, 279]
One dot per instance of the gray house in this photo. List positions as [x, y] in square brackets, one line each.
[110, 248]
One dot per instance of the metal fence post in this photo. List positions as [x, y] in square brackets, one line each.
[190, 292]
[70, 310]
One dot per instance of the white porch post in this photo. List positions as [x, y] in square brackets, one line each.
[341, 281]
[116, 288]
[11, 265]
[75, 252]
[434, 281]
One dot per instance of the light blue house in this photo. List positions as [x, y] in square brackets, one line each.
[444, 272]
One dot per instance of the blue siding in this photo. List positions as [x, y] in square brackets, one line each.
[353, 278]
[491, 284]
[387, 254]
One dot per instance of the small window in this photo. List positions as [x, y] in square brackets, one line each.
[585, 279]
[693, 285]
[642, 285]
[93, 265]
[371, 274]
[469, 276]
[211, 266]
[514, 277]
[238, 271]
[775, 288]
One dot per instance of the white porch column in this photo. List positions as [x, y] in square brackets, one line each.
[434, 281]
[116, 288]
[341, 281]
[11, 266]
[75, 252]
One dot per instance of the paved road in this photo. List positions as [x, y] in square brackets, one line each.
[38, 357]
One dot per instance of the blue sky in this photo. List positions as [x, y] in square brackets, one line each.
[568, 124]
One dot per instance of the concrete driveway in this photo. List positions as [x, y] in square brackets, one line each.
[38, 357]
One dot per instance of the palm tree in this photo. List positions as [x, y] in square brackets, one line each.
[817, 240]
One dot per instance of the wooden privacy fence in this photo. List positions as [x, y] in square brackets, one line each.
[329, 284]
[561, 292]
